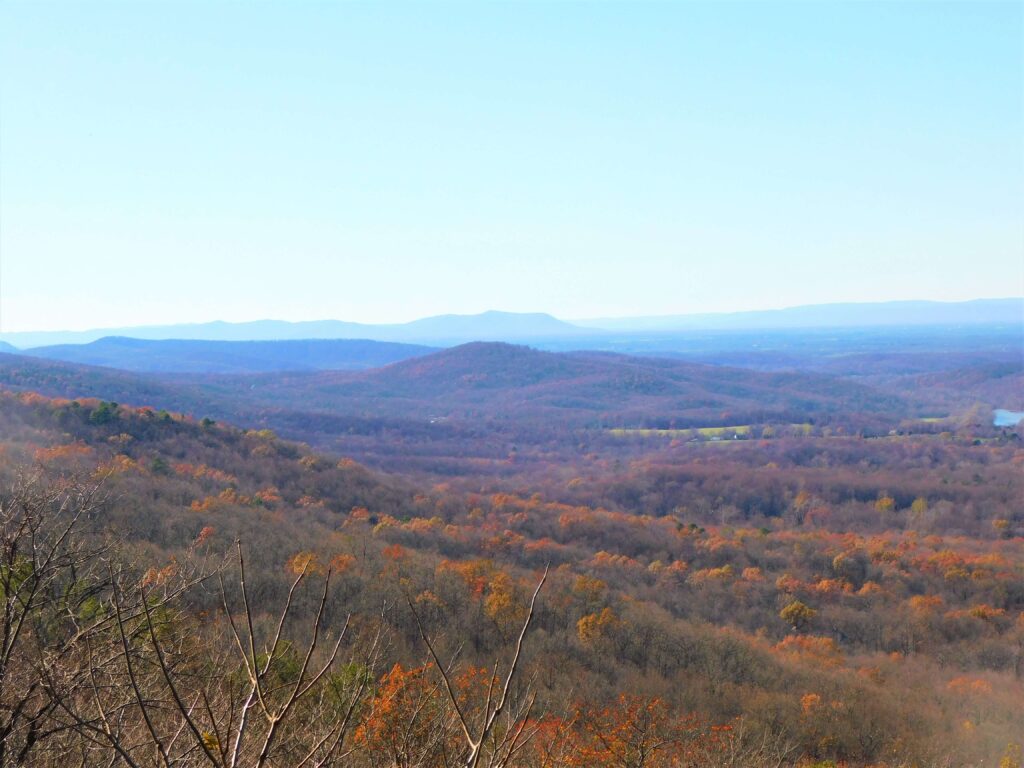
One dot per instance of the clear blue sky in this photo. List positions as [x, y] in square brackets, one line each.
[198, 161]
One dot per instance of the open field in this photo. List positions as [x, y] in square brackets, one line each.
[739, 429]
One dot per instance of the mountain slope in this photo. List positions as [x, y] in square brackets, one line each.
[56, 378]
[231, 356]
[479, 401]
[502, 381]
[483, 380]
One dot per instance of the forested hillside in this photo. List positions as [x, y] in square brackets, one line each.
[798, 597]
[472, 408]
[511, 384]
[195, 356]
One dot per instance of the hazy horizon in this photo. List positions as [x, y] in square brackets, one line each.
[586, 322]
[166, 163]
[536, 327]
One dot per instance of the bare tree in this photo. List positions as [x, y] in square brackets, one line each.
[258, 691]
[482, 732]
[45, 591]
[102, 663]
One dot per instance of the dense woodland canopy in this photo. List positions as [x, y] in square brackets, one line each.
[802, 570]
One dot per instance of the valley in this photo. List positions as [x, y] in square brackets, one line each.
[754, 548]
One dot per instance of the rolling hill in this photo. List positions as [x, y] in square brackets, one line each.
[57, 378]
[483, 381]
[476, 401]
[196, 356]
[486, 381]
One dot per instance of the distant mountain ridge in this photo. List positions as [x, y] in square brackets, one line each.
[525, 327]
[441, 330]
[197, 356]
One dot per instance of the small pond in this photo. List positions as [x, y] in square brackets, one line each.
[1004, 418]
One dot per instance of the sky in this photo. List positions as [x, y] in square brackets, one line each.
[186, 162]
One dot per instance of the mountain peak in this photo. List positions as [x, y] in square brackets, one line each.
[492, 325]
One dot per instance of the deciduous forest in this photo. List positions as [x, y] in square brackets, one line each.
[503, 384]
[497, 575]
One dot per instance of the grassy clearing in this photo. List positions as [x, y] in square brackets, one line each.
[705, 432]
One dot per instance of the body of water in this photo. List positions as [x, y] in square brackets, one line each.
[1004, 418]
